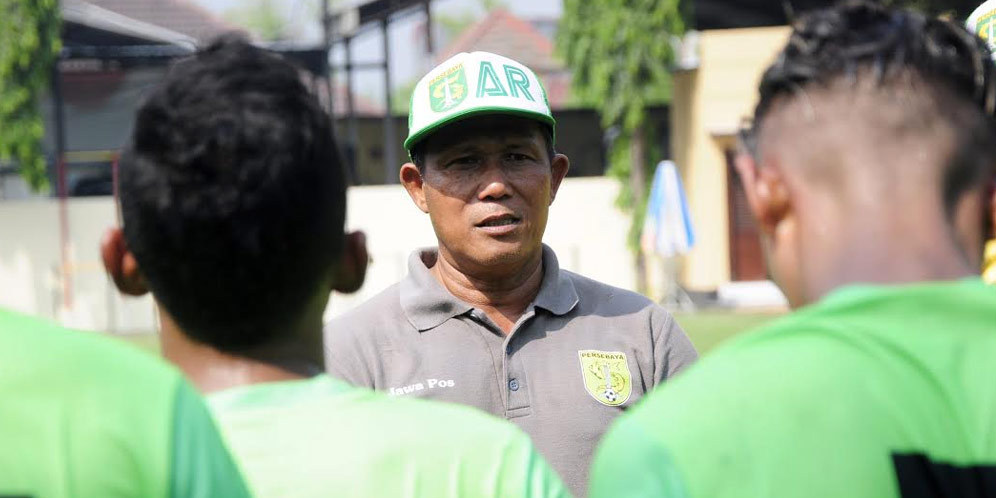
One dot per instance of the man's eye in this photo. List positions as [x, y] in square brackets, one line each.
[518, 157]
[464, 161]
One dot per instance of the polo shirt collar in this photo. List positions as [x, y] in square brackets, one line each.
[427, 304]
[557, 293]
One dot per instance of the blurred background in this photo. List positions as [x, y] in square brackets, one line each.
[648, 97]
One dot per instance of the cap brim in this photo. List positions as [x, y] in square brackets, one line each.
[476, 111]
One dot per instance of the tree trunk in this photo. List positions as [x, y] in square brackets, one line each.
[637, 185]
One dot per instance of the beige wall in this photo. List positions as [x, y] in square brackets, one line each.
[709, 104]
[585, 229]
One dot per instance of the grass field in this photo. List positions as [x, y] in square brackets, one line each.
[706, 329]
[148, 342]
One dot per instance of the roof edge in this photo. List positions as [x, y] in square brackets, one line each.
[88, 14]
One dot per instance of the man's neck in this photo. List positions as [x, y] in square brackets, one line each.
[884, 253]
[502, 296]
[212, 370]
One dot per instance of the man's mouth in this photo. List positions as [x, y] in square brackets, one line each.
[500, 221]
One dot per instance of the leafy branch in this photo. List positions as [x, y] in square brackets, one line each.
[29, 46]
[621, 53]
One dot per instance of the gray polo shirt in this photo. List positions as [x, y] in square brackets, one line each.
[581, 354]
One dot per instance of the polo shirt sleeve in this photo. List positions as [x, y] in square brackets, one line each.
[201, 465]
[629, 463]
[673, 351]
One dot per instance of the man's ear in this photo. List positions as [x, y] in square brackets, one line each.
[559, 167]
[351, 270]
[121, 264]
[767, 194]
[411, 178]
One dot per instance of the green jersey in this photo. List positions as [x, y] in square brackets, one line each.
[872, 392]
[84, 416]
[322, 437]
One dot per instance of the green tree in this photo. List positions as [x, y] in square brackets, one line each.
[621, 53]
[29, 46]
[262, 17]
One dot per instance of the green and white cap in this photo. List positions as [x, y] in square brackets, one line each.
[982, 22]
[470, 84]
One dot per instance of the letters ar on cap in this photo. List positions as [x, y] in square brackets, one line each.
[474, 83]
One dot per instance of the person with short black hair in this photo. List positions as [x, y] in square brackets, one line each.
[233, 203]
[867, 167]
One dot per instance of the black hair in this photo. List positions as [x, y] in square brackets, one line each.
[233, 195]
[417, 152]
[865, 41]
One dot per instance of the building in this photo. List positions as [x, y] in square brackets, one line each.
[99, 93]
[715, 89]
[710, 101]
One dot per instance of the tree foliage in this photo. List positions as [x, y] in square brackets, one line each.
[621, 53]
[262, 17]
[29, 46]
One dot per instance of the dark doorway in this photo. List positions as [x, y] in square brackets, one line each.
[746, 257]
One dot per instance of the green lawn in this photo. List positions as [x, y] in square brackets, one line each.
[148, 342]
[705, 328]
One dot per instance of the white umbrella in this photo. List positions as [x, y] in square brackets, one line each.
[667, 228]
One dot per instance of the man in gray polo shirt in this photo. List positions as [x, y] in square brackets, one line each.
[488, 318]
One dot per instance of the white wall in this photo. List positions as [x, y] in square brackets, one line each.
[585, 229]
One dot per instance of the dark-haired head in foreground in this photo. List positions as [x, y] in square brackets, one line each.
[233, 201]
[872, 149]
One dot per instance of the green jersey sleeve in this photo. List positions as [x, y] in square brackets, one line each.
[629, 463]
[201, 466]
[541, 481]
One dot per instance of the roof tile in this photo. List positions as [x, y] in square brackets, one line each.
[503, 33]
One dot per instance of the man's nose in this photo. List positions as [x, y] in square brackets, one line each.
[494, 183]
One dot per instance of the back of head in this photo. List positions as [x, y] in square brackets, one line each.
[233, 196]
[887, 96]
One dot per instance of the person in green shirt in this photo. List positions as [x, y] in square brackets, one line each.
[867, 167]
[87, 417]
[233, 201]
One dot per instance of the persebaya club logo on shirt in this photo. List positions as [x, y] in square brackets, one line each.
[447, 90]
[606, 376]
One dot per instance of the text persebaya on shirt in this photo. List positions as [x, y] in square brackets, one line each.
[601, 355]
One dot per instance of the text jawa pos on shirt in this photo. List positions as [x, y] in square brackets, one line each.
[421, 386]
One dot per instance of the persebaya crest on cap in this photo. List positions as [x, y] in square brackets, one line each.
[982, 22]
[469, 84]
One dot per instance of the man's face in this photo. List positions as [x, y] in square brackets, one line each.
[487, 184]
